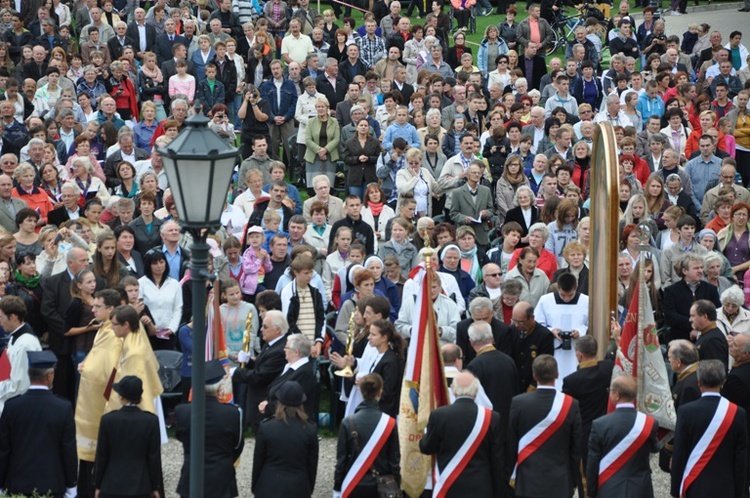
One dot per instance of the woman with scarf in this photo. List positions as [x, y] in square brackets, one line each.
[376, 266]
[83, 148]
[152, 85]
[450, 263]
[375, 212]
[51, 181]
[547, 262]
[472, 258]
[26, 286]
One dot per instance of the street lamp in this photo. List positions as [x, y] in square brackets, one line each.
[199, 166]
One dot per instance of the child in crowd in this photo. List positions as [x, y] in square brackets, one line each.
[234, 315]
[231, 265]
[336, 260]
[256, 262]
[399, 245]
[272, 222]
[340, 283]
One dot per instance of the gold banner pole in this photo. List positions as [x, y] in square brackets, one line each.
[604, 234]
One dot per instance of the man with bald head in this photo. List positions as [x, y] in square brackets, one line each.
[631, 474]
[56, 299]
[534, 339]
[450, 427]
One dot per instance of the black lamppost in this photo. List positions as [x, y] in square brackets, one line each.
[199, 166]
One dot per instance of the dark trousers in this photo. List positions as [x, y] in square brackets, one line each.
[64, 384]
[743, 166]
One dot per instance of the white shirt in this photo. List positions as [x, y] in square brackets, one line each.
[165, 302]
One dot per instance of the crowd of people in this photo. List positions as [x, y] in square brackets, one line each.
[372, 153]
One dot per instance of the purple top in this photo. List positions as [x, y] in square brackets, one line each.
[737, 250]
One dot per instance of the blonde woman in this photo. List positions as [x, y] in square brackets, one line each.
[419, 181]
[305, 111]
[322, 136]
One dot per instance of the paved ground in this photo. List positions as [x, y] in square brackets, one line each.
[172, 462]
[722, 17]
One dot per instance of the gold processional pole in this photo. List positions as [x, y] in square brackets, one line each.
[604, 244]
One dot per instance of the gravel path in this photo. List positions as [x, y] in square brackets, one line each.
[172, 462]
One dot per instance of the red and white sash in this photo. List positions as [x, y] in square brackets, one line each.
[369, 453]
[623, 451]
[541, 432]
[445, 479]
[708, 443]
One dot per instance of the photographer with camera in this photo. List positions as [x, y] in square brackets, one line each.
[656, 41]
[254, 113]
[566, 314]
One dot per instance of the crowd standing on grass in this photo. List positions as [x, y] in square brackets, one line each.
[372, 153]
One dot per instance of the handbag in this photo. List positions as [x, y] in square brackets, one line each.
[388, 486]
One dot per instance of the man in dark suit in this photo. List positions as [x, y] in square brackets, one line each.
[224, 439]
[352, 66]
[179, 52]
[697, 471]
[737, 386]
[680, 296]
[165, 42]
[630, 476]
[9, 205]
[298, 368]
[69, 197]
[472, 201]
[332, 84]
[142, 34]
[534, 339]
[533, 67]
[37, 68]
[552, 454]
[117, 43]
[260, 372]
[711, 344]
[128, 449]
[496, 371]
[449, 428]
[683, 360]
[38, 436]
[589, 386]
[505, 339]
[55, 300]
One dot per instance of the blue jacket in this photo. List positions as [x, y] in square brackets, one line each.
[208, 98]
[288, 99]
[143, 134]
[405, 131]
[390, 291]
[648, 107]
[502, 49]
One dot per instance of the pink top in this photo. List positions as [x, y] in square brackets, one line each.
[186, 87]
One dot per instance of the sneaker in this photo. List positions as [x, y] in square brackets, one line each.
[675, 13]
